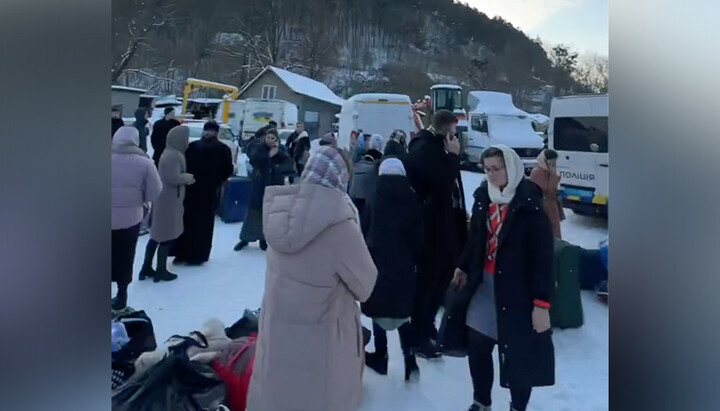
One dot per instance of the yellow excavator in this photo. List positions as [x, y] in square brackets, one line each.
[192, 84]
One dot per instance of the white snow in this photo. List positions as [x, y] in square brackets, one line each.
[307, 86]
[374, 97]
[231, 282]
[132, 89]
[493, 102]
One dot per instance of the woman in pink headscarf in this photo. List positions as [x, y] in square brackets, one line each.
[545, 175]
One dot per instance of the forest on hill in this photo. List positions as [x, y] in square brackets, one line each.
[354, 46]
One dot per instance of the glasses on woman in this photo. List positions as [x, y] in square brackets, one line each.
[493, 170]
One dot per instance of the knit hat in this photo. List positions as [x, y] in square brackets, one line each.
[392, 167]
[327, 168]
[377, 142]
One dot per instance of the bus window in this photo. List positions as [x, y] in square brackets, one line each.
[581, 134]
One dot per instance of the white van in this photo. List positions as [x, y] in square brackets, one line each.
[494, 119]
[375, 113]
[259, 112]
[578, 131]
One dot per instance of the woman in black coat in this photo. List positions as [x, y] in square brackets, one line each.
[270, 166]
[505, 273]
[393, 226]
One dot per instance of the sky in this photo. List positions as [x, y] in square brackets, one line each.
[581, 24]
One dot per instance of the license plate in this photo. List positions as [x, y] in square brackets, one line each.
[577, 192]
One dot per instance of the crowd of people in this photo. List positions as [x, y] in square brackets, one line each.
[383, 224]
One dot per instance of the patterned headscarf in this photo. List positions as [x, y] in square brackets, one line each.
[327, 168]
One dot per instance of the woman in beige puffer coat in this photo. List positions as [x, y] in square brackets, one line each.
[310, 352]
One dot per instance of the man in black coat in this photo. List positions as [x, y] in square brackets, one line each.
[433, 167]
[210, 161]
[161, 128]
[290, 142]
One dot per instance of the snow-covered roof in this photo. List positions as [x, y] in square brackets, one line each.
[132, 89]
[206, 100]
[539, 118]
[381, 96]
[301, 85]
[452, 86]
[493, 102]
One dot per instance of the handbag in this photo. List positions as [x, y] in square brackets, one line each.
[452, 336]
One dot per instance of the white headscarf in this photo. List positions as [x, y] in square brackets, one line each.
[391, 167]
[515, 173]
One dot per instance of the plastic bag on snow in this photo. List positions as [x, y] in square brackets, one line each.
[604, 252]
[174, 384]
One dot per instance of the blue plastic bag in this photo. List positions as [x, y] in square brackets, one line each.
[119, 336]
[604, 252]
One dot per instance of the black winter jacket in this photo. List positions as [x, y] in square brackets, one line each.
[267, 171]
[435, 176]
[393, 226]
[523, 274]
[158, 138]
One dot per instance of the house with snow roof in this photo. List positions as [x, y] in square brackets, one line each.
[317, 104]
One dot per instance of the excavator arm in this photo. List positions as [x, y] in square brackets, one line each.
[192, 84]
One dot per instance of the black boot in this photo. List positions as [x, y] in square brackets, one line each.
[377, 362]
[263, 245]
[429, 351]
[162, 273]
[147, 270]
[119, 302]
[412, 372]
[240, 245]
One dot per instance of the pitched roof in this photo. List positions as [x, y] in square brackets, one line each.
[301, 85]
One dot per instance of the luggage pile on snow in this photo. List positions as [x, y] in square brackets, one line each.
[574, 269]
[205, 370]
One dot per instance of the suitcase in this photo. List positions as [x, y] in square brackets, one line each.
[234, 200]
[566, 304]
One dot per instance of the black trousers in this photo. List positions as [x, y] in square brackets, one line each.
[407, 339]
[480, 348]
[431, 288]
[123, 245]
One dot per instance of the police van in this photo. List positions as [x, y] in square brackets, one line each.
[578, 131]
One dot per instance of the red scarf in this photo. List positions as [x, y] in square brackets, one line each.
[496, 216]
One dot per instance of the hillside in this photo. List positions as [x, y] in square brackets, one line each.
[353, 46]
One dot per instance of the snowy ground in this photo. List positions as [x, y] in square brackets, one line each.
[231, 282]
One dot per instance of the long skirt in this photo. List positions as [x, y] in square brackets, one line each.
[195, 243]
[252, 229]
[123, 245]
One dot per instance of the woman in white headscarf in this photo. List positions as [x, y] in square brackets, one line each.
[507, 267]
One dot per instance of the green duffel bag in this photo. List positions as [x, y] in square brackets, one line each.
[566, 305]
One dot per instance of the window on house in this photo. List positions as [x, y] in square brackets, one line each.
[268, 92]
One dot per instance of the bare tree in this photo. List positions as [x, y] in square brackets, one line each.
[133, 21]
[315, 47]
[592, 73]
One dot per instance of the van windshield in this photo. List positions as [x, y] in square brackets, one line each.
[584, 134]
